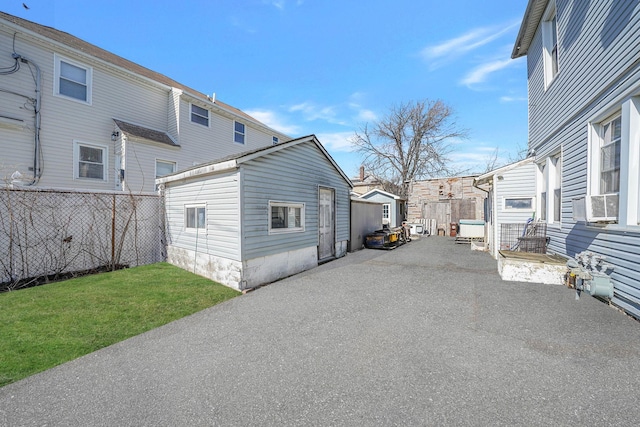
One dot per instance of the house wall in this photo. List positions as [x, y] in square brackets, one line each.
[599, 71]
[115, 93]
[517, 182]
[290, 175]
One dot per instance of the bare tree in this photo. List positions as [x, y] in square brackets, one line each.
[411, 142]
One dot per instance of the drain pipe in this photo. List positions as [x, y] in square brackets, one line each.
[37, 172]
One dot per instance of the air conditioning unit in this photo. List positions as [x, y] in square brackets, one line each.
[596, 208]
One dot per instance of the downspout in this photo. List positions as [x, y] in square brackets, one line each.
[476, 185]
[37, 173]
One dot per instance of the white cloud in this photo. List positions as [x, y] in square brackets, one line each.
[482, 72]
[271, 119]
[312, 112]
[447, 50]
[513, 98]
[337, 141]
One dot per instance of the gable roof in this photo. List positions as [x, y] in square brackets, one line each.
[86, 48]
[235, 160]
[486, 177]
[530, 21]
[384, 193]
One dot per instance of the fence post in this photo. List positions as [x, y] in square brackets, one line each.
[113, 234]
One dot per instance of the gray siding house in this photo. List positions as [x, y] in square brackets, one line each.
[584, 130]
[393, 206]
[75, 116]
[511, 198]
[253, 218]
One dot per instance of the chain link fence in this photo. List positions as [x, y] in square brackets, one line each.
[48, 235]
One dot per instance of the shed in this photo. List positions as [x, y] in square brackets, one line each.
[511, 198]
[366, 217]
[393, 206]
[258, 216]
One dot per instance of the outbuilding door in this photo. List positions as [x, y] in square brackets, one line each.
[326, 226]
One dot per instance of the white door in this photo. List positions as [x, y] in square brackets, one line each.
[326, 226]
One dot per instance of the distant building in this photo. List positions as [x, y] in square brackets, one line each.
[446, 200]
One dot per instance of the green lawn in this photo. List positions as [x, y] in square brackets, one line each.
[48, 325]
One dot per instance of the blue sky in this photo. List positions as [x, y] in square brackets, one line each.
[325, 67]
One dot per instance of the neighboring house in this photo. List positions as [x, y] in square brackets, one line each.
[364, 183]
[73, 115]
[253, 218]
[511, 199]
[393, 207]
[584, 128]
[446, 200]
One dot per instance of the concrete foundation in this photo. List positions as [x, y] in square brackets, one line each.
[533, 268]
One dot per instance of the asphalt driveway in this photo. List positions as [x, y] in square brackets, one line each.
[426, 334]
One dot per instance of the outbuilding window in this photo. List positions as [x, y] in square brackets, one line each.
[195, 217]
[285, 217]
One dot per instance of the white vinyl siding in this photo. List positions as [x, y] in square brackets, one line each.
[90, 161]
[72, 80]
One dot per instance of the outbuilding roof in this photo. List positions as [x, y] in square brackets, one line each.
[235, 160]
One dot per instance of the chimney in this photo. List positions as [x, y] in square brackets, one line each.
[361, 173]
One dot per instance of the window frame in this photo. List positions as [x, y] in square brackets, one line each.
[76, 160]
[549, 189]
[288, 205]
[58, 60]
[275, 140]
[237, 133]
[197, 207]
[192, 113]
[531, 208]
[166, 162]
[551, 61]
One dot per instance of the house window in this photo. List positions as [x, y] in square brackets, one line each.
[199, 115]
[164, 167]
[556, 163]
[72, 80]
[518, 203]
[542, 174]
[610, 137]
[238, 132]
[275, 140]
[550, 43]
[195, 217]
[286, 217]
[90, 161]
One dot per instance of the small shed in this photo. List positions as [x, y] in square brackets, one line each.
[366, 217]
[393, 207]
[256, 217]
[511, 198]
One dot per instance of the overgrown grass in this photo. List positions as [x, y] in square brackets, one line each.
[48, 325]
